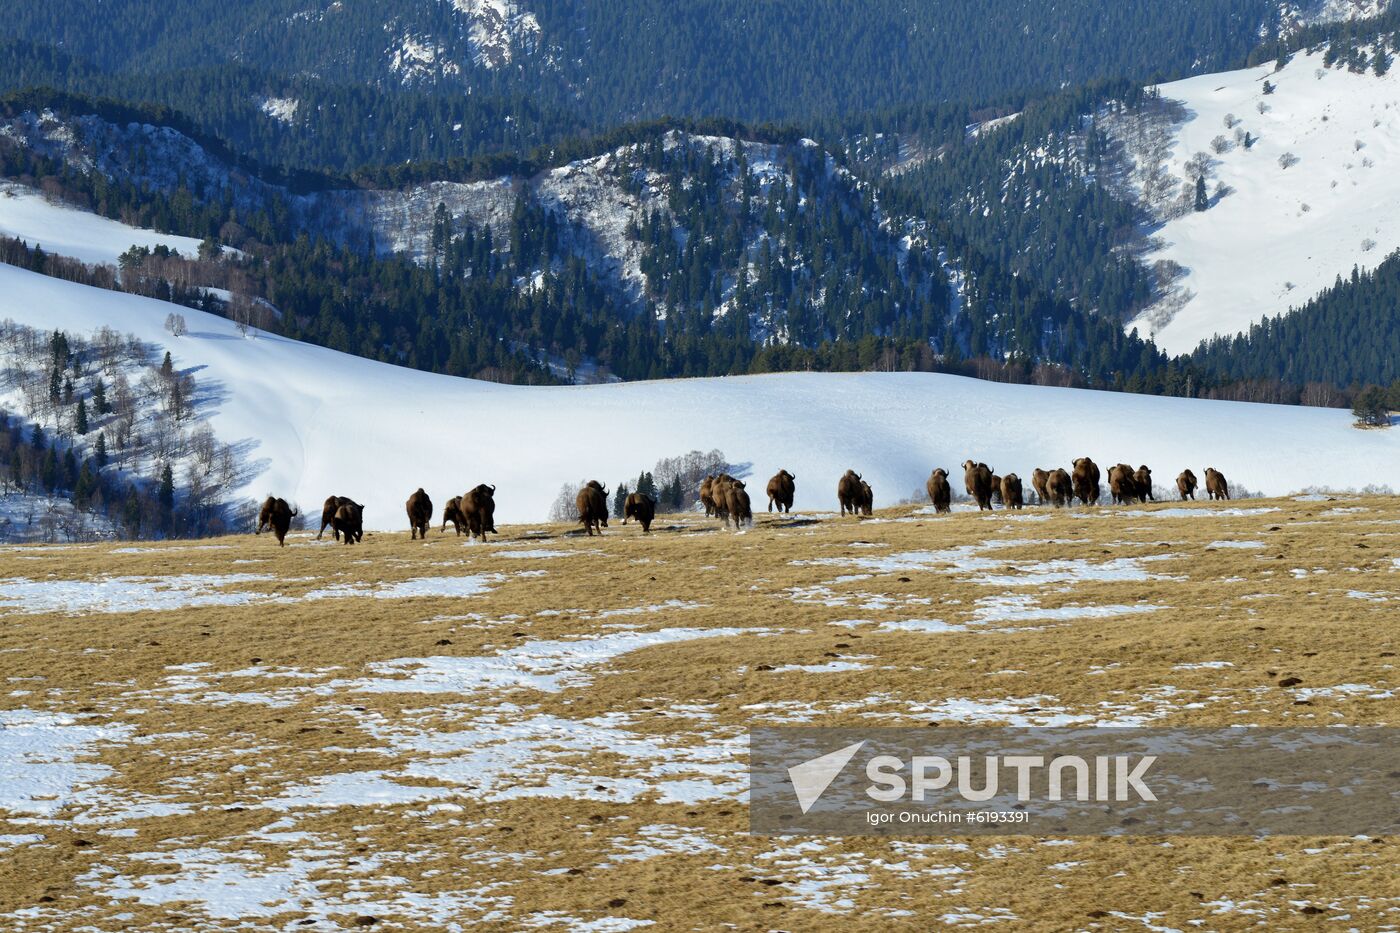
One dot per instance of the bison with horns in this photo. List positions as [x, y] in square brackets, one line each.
[328, 510]
[940, 492]
[781, 489]
[478, 508]
[977, 480]
[1216, 487]
[592, 502]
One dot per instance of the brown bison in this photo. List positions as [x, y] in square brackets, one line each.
[707, 498]
[642, 507]
[592, 502]
[736, 505]
[977, 480]
[996, 488]
[1143, 477]
[1061, 489]
[1086, 481]
[277, 515]
[1216, 487]
[478, 508]
[1186, 485]
[349, 523]
[781, 489]
[1040, 480]
[867, 498]
[1122, 484]
[420, 514]
[718, 492]
[1011, 491]
[328, 510]
[940, 493]
[452, 512]
[848, 492]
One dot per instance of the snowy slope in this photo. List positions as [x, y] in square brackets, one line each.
[1281, 235]
[324, 422]
[69, 231]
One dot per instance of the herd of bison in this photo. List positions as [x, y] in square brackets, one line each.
[727, 499]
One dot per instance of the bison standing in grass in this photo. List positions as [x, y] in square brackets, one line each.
[452, 512]
[940, 493]
[1086, 481]
[592, 502]
[781, 489]
[1122, 484]
[737, 507]
[348, 523]
[1143, 478]
[977, 480]
[848, 492]
[1216, 487]
[1040, 480]
[478, 508]
[420, 514]
[328, 510]
[1011, 493]
[1061, 488]
[276, 515]
[642, 507]
[1186, 485]
[707, 495]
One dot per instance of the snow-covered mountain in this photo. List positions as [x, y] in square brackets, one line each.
[1303, 175]
[317, 422]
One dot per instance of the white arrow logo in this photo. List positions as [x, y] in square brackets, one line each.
[811, 778]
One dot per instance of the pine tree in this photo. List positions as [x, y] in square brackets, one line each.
[620, 500]
[1202, 199]
[166, 496]
[80, 420]
[1371, 408]
[131, 513]
[99, 452]
[99, 397]
[167, 365]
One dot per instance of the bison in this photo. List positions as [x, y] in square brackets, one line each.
[1122, 484]
[718, 493]
[420, 514]
[478, 508]
[1216, 487]
[736, 505]
[940, 493]
[276, 515]
[848, 492]
[1086, 481]
[707, 498]
[1061, 488]
[1186, 485]
[1011, 491]
[642, 507]
[592, 502]
[328, 510]
[1040, 480]
[1143, 477]
[781, 489]
[348, 523]
[452, 512]
[977, 479]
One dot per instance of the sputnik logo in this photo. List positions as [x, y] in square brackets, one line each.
[811, 778]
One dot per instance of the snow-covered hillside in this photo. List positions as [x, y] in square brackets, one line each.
[66, 231]
[321, 422]
[1312, 195]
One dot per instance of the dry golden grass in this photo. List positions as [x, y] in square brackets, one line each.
[281, 706]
